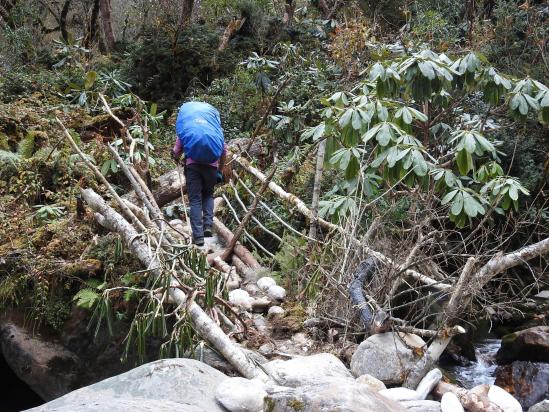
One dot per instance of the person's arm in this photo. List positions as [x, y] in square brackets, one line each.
[177, 150]
[224, 166]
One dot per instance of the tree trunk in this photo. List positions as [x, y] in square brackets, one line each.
[202, 323]
[289, 9]
[316, 189]
[92, 27]
[186, 13]
[63, 20]
[232, 28]
[106, 21]
[466, 289]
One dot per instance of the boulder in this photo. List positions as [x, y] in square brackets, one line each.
[450, 403]
[47, 367]
[503, 399]
[373, 384]
[530, 344]
[422, 406]
[543, 406]
[166, 385]
[307, 370]
[241, 395]
[385, 357]
[333, 395]
[526, 381]
[400, 394]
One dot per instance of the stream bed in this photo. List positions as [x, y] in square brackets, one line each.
[480, 371]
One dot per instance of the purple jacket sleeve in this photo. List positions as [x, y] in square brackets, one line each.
[177, 149]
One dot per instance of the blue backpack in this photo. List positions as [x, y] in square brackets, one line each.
[198, 127]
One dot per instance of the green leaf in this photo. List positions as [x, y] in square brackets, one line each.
[384, 135]
[457, 204]
[346, 118]
[90, 80]
[427, 69]
[449, 196]
[356, 120]
[105, 167]
[464, 162]
[352, 168]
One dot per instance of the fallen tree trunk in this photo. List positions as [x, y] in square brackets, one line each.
[308, 213]
[472, 402]
[168, 185]
[471, 281]
[202, 323]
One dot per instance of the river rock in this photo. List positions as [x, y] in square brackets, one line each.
[307, 370]
[373, 384]
[385, 357]
[166, 385]
[260, 304]
[241, 395]
[429, 381]
[47, 367]
[503, 399]
[543, 406]
[526, 381]
[275, 311]
[530, 344]
[423, 406]
[276, 292]
[450, 403]
[331, 395]
[240, 297]
[400, 394]
[265, 283]
[543, 295]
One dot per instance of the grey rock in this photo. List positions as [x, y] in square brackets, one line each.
[276, 292]
[265, 283]
[429, 381]
[543, 295]
[450, 403]
[527, 381]
[275, 311]
[422, 406]
[373, 384]
[503, 399]
[400, 394]
[340, 395]
[47, 367]
[307, 370]
[241, 395]
[385, 357]
[170, 384]
[543, 406]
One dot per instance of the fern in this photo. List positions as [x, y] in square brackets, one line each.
[26, 146]
[86, 298]
[10, 157]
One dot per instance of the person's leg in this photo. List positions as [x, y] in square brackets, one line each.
[209, 181]
[194, 184]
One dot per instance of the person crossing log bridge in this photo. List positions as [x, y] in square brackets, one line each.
[200, 139]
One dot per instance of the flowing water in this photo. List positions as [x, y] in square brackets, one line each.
[480, 371]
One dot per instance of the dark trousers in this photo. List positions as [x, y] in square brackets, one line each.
[200, 180]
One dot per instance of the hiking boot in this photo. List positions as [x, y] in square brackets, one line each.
[208, 232]
[198, 242]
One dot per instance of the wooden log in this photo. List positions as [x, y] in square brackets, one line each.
[202, 323]
[303, 209]
[168, 188]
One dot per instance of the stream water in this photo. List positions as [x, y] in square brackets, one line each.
[480, 371]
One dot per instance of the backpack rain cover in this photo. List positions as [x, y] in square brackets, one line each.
[198, 127]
